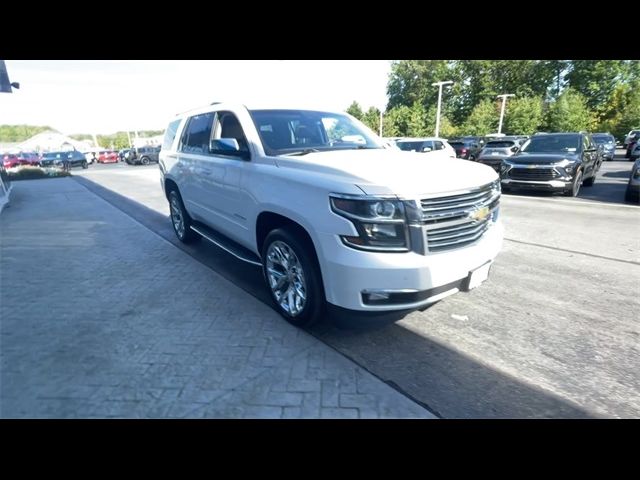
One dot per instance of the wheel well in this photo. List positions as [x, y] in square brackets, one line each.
[268, 221]
[168, 186]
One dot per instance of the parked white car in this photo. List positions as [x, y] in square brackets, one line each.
[427, 144]
[335, 224]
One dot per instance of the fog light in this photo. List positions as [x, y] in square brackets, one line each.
[378, 296]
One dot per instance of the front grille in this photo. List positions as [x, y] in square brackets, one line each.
[457, 220]
[533, 174]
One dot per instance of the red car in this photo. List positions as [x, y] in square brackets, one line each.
[11, 160]
[107, 156]
[31, 158]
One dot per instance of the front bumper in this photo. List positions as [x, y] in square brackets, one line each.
[549, 185]
[354, 279]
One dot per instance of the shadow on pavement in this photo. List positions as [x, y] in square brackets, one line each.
[448, 383]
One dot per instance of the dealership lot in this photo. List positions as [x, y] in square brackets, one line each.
[554, 333]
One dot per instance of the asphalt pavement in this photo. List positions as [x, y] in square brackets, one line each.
[553, 333]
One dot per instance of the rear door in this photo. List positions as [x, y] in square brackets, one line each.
[192, 149]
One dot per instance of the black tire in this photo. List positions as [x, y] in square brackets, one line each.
[472, 158]
[179, 215]
[85, 165]
[310, 282]
[589, 181]
[575, 186]
[144, 160]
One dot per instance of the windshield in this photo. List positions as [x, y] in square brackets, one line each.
[285, 132]
[552, 144]
[602, 139]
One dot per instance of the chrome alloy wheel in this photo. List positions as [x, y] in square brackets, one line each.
[286, 278]
[176, 215]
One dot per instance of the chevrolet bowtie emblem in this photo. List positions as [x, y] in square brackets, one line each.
[479, 214]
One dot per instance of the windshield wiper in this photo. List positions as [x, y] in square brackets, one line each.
[302, 152]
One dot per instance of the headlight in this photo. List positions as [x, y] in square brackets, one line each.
[505, 167]
[569, 166]
[381, 223]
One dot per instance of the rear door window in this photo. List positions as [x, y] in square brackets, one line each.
[197, 133]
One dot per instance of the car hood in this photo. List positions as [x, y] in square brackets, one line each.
[542, 158]
[406, 174]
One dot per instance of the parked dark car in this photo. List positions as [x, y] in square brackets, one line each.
[555, 162]
[72, 158]
[495, 151]
[142, 155]
[467, 147]
[122, 154]
[632, 194]
[632, 140]
[608, 144]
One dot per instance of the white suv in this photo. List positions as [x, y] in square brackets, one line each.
[334, 219]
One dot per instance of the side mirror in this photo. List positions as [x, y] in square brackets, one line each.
[224, 145]
[227, 146]
[514, 149]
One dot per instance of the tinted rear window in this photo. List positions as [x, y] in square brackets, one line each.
[500, 144]
[410, 146]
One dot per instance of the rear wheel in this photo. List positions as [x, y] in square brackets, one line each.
[180, 219]
[144, 160]
[293, 277]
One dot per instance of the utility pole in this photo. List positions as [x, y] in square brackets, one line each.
[504, 101]
[439, 85]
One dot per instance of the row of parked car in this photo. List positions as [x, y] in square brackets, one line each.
[557, 162]
[75, 158]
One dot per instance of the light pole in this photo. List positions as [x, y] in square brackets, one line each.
[504, 101]
[439, 85]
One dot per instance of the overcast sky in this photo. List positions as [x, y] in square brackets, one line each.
[98, 96]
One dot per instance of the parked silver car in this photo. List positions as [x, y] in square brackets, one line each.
[607, 143]
[495, 151]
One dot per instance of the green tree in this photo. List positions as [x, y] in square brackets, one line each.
[569, 113]
[597, 80]
[372, 119]
[483, 119]
[396, 122]
[410, 81]
[523, 116]
[355, 110]
[20, 133]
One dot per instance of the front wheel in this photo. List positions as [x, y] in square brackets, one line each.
[590, 181]
[144, 161]
[180, 219]
[575, 186]
[293, 277]
[85, 165]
